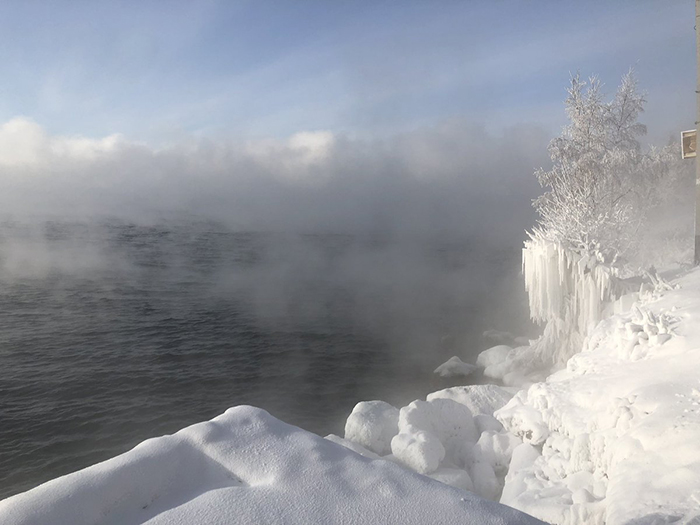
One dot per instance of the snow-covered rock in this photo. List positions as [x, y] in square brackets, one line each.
[417, 449]
[450, 422]
[455, 367]
[452, 437]
[505, 338]
[479, 399]
[372, 424]
[247, 467]
[497, 449]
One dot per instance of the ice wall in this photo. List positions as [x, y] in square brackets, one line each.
[566, 285]
[568, 292]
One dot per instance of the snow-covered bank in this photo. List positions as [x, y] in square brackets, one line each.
[247, 467]
[613, 438]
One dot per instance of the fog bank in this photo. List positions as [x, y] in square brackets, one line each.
[447, 180]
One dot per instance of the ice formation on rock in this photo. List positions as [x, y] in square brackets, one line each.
[569, 293]
[563, 284]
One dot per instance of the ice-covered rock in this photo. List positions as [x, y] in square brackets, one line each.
[497, 449]
[479, 399]
[493, 356]
[372, 424]
[483, 476]
[455, 367]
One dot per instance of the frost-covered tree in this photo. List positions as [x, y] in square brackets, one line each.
[605, 197]
[589, 202]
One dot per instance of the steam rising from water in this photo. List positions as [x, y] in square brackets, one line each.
[112, 332]
[143, 289]
[450, 180]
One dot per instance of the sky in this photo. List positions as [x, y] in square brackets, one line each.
[217, 96]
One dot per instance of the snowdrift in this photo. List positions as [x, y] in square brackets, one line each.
[247, 467]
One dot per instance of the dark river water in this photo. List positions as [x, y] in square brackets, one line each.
[111, 333]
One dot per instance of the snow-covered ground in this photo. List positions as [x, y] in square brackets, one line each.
[247, 467]
[614, 437]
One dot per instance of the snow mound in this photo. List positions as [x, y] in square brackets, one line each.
[455, 367]
[613, 438]
[247, 467]
[479, 399]
[372, 424]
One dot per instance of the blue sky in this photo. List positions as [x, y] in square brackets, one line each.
[158, 71]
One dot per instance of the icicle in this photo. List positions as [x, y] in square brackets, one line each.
[566, 290]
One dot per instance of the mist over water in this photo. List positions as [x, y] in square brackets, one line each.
[112, 332]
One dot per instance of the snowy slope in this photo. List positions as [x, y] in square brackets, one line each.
[247, 467]
[615, 437]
